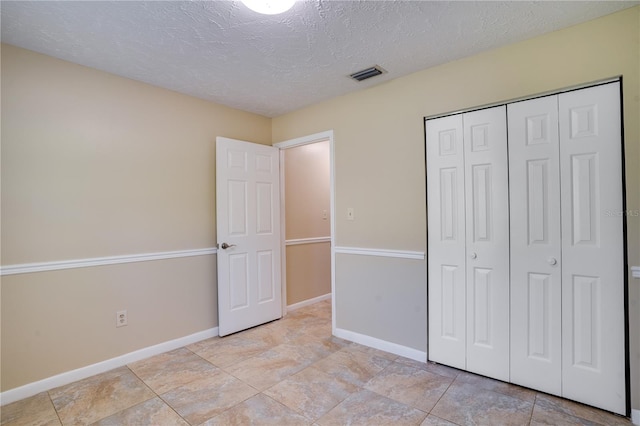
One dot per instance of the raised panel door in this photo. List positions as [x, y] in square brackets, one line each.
[247, 215]
[487, 242]
[534, 188]
[593, 369]
[446, 239]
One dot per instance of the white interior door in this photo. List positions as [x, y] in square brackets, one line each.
[593, 369]
[536, 279]
[487, 241]
[446, 239]
[248, 233]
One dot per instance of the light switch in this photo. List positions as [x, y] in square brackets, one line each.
[324, 215]
[350, 214]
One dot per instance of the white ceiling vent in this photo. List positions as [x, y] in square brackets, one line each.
[367, 73]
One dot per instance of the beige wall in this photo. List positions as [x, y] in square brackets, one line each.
[97, 165]
[57, 321]
[379, 157]
[308, 271]
[307, 198]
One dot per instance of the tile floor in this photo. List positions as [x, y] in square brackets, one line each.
[293, 372]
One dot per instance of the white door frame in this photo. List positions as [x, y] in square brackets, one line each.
[291, 143]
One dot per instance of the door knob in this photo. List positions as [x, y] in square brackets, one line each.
[552, 261]
[226, 246]
[473, 255]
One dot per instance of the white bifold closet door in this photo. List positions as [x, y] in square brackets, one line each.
[536, 259]
[487, 215]
[446, 236]
[567, 260]
[468, 224]
[593, 327]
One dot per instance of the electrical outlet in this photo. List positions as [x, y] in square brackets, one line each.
[350, 214]
[121, 318]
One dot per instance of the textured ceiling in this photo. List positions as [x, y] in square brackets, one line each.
[270, 65]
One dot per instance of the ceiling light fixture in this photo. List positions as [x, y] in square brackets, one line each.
[269, 7]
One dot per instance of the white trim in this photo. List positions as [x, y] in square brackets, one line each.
[404, 254]
[332, 153]
[283, 236]
[313, 240]
[308, 302]
[27, 268]
[635, 417]
[635, 271]
[65, 378]
[382, 345]
[305, 140]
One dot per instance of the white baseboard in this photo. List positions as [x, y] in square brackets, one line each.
[383, 345]
[635, 417]
[62, 379]
[308, 302]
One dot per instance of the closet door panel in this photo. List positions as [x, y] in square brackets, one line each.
[446, 240]
[487, 215]
[593, 270]
[534, 188]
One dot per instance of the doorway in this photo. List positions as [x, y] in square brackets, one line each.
[306, 176]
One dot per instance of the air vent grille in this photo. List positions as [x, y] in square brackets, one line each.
[367, 73]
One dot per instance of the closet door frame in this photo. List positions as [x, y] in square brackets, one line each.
[625, 275]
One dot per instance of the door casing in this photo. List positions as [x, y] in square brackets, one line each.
[292, 143]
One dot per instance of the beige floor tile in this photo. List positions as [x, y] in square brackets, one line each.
[282, 330]
[372, 352]
[36, 410]
[497, 386]
[171, 369]
[432, 420]
[226, 351]
[100, 396]
[273, 366]
[467, 404]
[369, 408]
[315, 326]
[553, 410]
[151, 412]
[323, 347]
[311, 392]
[320, 309]
[294, 327]
[554, 418]
[259, 410]
[353, 365]
[431, 367]
[411, 386]
[202, 399]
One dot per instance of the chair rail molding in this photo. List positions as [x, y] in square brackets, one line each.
[27, 268]
[312, 240]
[403, 254]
